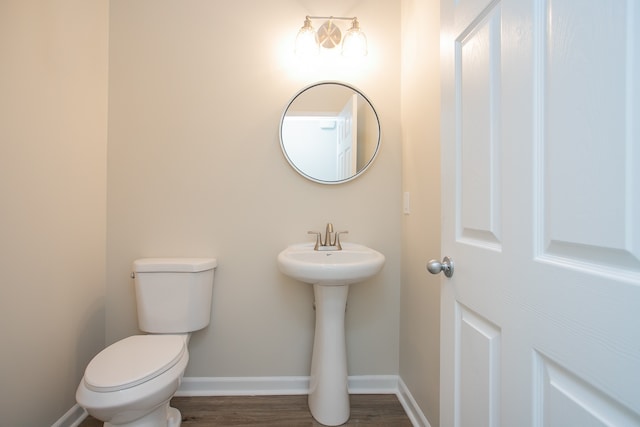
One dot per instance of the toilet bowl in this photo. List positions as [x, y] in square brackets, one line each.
[131, 382]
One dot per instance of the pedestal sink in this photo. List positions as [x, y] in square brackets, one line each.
[330, 272]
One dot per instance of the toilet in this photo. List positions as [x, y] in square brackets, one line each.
[131, 382]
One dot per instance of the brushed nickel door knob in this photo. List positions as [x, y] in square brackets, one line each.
[445, 266]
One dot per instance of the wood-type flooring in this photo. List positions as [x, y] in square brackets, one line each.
[373, 410]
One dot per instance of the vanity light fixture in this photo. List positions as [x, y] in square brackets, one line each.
[329, 36]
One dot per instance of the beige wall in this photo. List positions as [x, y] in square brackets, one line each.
[53, 115]
[196, 91]
[420, 303]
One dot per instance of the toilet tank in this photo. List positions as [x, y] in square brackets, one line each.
[173, 295]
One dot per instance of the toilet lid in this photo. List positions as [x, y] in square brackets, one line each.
[132, 361]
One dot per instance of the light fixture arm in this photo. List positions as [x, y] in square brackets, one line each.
[343, 18]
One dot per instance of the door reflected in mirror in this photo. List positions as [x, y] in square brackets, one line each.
[330, 132]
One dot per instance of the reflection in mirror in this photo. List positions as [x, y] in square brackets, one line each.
[330, 132]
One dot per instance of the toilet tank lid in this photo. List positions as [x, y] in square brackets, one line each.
[178, 265]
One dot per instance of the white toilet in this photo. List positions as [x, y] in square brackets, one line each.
[131, 382]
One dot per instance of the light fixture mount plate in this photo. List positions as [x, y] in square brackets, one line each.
[329, 35]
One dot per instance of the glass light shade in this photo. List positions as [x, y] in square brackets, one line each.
[307, 40]
[354, 43]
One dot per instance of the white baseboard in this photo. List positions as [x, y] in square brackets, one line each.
[72, 418]
[243, 386]
[270, 386]
[373, 384]
[256, 386]
[410, 406]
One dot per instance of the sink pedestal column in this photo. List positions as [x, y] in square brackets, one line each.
[328, 393]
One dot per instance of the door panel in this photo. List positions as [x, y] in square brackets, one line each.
[590, 106]
[479, 369]
[562, 399]
[478, 73]
[541, 213]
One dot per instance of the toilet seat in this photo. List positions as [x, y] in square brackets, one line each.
[133, 361]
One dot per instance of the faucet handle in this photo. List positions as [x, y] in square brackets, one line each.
[318, 239]
[337, 243]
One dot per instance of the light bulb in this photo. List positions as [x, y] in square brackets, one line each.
[307, 40]
[354, 43]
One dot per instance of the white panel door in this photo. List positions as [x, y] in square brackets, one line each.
[541, 213]
[347, 147]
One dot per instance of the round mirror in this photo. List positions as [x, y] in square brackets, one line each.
[330, 132]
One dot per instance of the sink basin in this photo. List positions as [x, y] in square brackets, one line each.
[354, 263]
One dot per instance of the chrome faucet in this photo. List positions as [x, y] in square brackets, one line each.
[329, 243]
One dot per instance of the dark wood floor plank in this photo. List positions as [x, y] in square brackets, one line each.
[383, 410]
